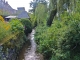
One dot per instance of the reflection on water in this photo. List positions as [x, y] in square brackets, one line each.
[29, 52]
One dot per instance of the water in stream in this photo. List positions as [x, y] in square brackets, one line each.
[29, 52]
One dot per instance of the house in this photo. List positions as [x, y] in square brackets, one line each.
[21, 14]
[24, 14]
[7, 18]
[20, 9]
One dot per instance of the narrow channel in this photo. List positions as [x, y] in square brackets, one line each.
[29, 52]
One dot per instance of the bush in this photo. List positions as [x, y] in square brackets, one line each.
[1, 18]
[4, 30]
[16, 26]
[33, 20]
[62, 40]
[27, 25]
[12, 38]
[10, 29]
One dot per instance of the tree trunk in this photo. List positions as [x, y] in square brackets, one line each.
[51, 17]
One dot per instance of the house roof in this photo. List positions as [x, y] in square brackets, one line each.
[24, 14]
[21, 8]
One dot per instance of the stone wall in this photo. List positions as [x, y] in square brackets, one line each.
[11, 49]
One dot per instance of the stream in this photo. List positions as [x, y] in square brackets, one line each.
[29, 52]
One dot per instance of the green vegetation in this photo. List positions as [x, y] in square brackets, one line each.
[59, 41]
[41, 14]
[27, 25]
[9, 30]
[13, 37]
[16, 26]
[4, 30]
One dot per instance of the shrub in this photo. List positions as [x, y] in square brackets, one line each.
[33, 20]
[62, 40]
[27, 25]
[16, 26]
[1, 18]
[4, 30]
[12, 39]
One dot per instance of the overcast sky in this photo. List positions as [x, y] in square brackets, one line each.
[19, 3]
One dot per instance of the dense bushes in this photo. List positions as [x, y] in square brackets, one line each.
[12, 38]
[16, 26]
[27, 25]
[61, 41]
[9, 30]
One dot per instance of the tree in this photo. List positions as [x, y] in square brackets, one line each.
[40, 13]
[62, 5]
[51, 17]
[34, 4]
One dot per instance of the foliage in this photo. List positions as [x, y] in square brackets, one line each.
[15, 43]
[12, 47]
[40, 13]
[61, 41]
[1, 18]
[51, 17]
[34, 3]
[12, 39]
[16, 26]
[27, 25]
[10, 29]
[33, 20]
[4, 30]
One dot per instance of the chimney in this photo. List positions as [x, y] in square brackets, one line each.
[4, 1]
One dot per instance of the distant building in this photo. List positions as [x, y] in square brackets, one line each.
[21, 9]
[8, 12]
[7, 18]
[24, 14]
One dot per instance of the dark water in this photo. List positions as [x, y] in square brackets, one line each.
[29, 52]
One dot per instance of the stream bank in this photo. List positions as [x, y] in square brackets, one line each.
[28, 52]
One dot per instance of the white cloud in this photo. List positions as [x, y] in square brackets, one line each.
[19, 3]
